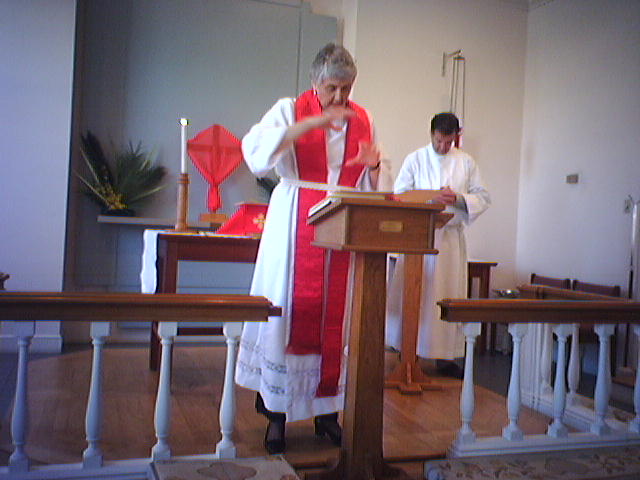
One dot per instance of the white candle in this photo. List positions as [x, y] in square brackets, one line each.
[183, 145]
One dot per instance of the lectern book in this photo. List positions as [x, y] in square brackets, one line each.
[417, 196]
[337, 194]
[411, 196]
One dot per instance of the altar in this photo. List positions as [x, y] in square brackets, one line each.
[164, 249]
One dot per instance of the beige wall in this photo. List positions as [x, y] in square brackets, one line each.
[581, 115]
[575, 108]
[399, 47]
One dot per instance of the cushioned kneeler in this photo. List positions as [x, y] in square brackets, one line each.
[261, 468]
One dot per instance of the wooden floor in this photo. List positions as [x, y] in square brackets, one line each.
[416, 427]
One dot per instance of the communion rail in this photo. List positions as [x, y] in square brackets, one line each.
[533, 321]
[24, 309]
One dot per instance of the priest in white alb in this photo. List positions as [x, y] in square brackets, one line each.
[439, 166]
[315, 143]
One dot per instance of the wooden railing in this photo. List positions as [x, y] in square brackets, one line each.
[530, 324]
[24, 309]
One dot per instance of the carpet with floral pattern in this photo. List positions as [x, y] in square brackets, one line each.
[616, 463]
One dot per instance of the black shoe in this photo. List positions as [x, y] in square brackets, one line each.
[450, 369]
[274, 441]
[328, 425]
[274, 437]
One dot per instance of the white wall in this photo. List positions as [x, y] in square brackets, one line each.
[581, 115]
[399, 48]
[36, 69]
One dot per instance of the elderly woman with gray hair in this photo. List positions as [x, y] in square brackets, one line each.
[317, 142]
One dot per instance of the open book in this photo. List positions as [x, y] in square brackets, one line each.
[343, 193]
[412, 196]
[416, 196]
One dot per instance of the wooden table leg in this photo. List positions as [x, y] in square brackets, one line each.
[407, 376]
[361, 452]
[482, 271]
[154, 348]
[166, 282]
[484, 293]
[481, 341]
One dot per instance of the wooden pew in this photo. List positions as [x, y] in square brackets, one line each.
[540, 311]
[585, 330]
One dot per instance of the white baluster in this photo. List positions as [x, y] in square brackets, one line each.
[545, 361]
[573, 371]
[557, 428]
[92, 455]
[467, 399]
[225, 447]
[18, 461]
[634, 425]
[603, 382]
[513, 431]
[161, 450]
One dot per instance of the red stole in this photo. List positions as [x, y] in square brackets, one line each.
[320, 276]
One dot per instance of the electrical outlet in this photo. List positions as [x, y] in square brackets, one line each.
[573, 178]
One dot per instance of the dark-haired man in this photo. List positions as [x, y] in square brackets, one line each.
[439, 166]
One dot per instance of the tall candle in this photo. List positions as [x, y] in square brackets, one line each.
[183, 145]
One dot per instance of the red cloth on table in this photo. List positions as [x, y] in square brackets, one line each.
[248, 220]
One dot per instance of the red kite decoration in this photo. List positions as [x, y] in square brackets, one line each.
[216, 153]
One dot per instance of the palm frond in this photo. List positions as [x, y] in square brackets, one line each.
[92, 191]
[131, 178]
[95, 158]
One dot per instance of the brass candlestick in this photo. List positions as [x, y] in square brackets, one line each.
[183, 203]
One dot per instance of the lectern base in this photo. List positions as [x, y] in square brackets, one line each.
[339, 473]
[410, 379]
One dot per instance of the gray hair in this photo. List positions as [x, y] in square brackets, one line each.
[333, 61]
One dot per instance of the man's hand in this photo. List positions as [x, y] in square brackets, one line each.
[446, 196]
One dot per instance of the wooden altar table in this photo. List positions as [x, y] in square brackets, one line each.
[482, 271]
[173, 248]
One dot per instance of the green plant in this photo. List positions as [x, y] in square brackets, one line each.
[123, 183]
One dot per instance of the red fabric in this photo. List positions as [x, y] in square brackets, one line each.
[216, 153]
[317, 310]
[248, 220]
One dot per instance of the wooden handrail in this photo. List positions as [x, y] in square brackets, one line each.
[554, 293]
[540, 311]
[122, 307]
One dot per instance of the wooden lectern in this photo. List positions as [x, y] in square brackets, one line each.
[370, 228]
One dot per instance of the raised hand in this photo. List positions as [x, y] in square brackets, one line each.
[368, 155]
